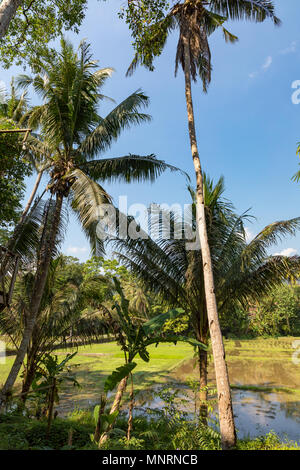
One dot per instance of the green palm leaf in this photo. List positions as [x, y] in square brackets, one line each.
[87, 198]
[123, 116]
[255, 10]
[270, 235]
[129, 168]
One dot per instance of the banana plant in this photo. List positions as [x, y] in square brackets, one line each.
[134, 340]
[48, 379]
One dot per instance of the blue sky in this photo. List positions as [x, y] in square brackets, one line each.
[247, 125]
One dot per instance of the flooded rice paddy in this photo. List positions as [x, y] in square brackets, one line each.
[265, 381]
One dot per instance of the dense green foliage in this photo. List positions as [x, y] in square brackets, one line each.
[17, 432]
[37, 23]
[278, 314]
[13, 170]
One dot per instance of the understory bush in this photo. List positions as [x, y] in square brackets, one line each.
[156, 433]
[269, 442]
[18, 432]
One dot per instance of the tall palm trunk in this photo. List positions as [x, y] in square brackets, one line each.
[32, 195]
[36, 297]
[8, 10]
[226, 419]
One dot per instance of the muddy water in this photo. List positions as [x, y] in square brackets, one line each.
[256, 413]
[242, 371]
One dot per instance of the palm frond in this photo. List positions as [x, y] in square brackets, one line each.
[25, 238]
[250, 285]
[254, 10]
[271, 235]
[88, 197]
[129, 168]
[123, 116]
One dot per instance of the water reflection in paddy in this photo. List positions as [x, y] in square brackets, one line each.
[256, 413]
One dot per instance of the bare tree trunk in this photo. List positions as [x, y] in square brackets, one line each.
[32, 196]
[130, 417]
[8, 10]
[227, 427]
[203, 395]
[14, 239]
[51, 406]
[115, 407]
[119, 395]
[36, 297]
[31, 367]
[28, 379]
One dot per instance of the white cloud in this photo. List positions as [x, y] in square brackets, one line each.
[253, 74]
[267, 63]
[76, 250]
[289, 50]
[286, 252]
[249, 234]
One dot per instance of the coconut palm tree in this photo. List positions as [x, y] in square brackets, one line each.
[243, 272]
[13, 106]
[196, 20]
[69, 85]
